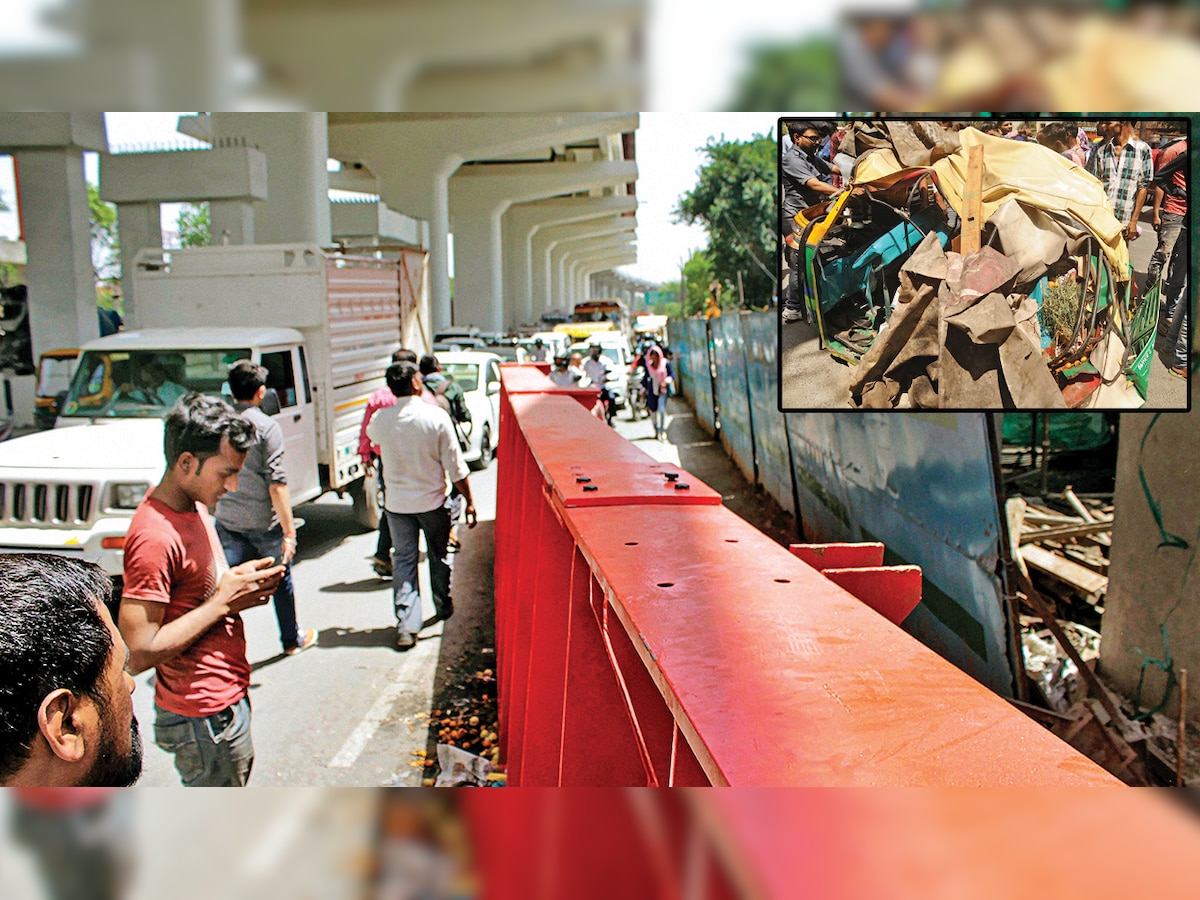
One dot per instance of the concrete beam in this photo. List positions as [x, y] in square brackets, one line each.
[394, 46]
[371, 223]
[31, 131]
[434, 145]
[226, 173]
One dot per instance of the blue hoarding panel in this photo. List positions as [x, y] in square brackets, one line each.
[760, 333]
[700, 378]
[682, 353]
[922, 483]
[733, 402]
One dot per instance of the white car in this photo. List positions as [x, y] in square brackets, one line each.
[478, 374]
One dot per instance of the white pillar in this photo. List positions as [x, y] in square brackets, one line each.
[139, 225]
[439, 253]
[54, 214]
[297, 148]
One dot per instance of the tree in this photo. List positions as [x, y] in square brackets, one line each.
[102, 226]
[735, 199]
[698, 279]
[789, 76]
[195, 225]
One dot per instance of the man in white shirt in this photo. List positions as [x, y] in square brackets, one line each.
[599, 368]
[419, 450]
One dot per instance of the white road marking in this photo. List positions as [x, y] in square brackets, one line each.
[410, 678]
[266, 855]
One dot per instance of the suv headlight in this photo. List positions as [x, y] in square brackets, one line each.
[128, 496]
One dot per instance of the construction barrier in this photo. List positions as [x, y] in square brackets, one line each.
[730, 390]
[760, 844]
[690, 348]
[646, 635]
[772, 459]
[922, 483]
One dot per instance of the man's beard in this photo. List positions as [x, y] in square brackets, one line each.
[112, 769]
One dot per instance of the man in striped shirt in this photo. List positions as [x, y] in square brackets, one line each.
[1125, 167]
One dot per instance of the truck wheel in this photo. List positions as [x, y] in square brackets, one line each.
[485, 450]
[366, 503]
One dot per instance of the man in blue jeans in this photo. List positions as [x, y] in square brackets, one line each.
[181, 607]
[256, 519]
[419, 451]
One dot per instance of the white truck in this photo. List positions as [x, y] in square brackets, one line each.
[323, 325]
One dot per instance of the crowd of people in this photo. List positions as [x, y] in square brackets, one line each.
[816, 164]
[68, 647]
[656, 381]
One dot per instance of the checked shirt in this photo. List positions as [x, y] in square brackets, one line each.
[1123, 174]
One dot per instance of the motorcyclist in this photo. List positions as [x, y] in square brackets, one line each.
[599, 369]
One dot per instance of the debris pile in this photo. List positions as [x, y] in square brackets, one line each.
[964, 270]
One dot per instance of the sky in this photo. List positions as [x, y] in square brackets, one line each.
[668, 157]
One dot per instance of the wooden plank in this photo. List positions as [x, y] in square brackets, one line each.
[1065, 531]
[972, 222]
[1077, 576]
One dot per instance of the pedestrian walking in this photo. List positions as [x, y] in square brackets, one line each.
[255, 520]
[420, 451]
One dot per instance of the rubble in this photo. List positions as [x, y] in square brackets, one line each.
[932, 272]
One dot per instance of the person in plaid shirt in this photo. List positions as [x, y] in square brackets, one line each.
[1125, 167]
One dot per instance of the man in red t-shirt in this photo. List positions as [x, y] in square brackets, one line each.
[181, 605]
[1170, 206]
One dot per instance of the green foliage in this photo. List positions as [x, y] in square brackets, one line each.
[102, 226]
[789, 76]
[194, 225]
[735, 199]
[698, 278]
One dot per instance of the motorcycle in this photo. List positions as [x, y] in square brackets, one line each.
[637, 394]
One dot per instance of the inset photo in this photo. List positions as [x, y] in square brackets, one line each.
[995, 262]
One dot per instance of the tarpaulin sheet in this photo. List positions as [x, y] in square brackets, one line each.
[923, 484]
[972, 345]
[760, 331]
[1024, 171]
[733, 402]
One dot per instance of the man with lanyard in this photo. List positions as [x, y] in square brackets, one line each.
[1125, 168]
[599, 368]
[804, 185]
[180, 612]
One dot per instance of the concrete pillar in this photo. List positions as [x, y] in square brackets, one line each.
[567, 249]
[415, 181]
[480, 195]
[297, 148]
[521, 222]
[54, 215]
[232, 222]
[547, 281]
[139, 225]
[1154, 584]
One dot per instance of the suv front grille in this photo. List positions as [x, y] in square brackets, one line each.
[46, 503]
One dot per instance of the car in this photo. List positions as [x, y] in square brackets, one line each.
[478, 374]
[508, 353]
[616, 348]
